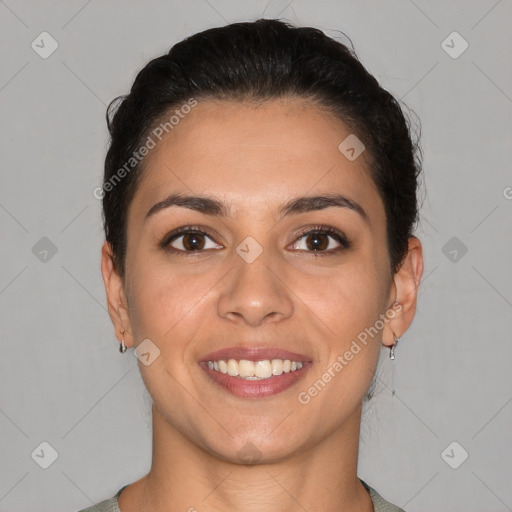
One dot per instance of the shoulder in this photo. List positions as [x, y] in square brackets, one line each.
[105, 506]
[379, 503]
[109, 505]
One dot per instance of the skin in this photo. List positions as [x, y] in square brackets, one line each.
[255, 158]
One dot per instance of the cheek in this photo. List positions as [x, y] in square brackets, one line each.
[167, 303]
[349, 305]
[167, 309]
[349, 299]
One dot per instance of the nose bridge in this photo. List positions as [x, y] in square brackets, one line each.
[254, 292]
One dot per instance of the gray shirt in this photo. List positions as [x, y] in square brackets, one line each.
[379, 503]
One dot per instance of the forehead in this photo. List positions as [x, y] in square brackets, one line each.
[254, 156]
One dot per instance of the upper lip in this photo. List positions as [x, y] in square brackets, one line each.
[254, 354]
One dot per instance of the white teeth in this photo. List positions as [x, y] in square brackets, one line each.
[223, 367]
[246, 368]
[258, 370]
[277, 366]
[263, 369]
[232, 368]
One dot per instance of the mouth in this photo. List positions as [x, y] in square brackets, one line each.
[255, 372]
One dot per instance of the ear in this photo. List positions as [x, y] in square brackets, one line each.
[116, 298]
[404, 293]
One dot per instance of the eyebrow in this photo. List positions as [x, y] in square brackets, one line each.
[209, 206]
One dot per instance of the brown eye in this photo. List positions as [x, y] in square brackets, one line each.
[193, 242]
[190, 241]
[322, 240]
[317, 242]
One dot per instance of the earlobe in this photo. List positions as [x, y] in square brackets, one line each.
[116, 298]
[405, 282]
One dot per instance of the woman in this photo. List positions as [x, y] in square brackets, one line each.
[259, 203]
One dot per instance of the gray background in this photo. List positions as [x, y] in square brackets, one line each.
[63, 380]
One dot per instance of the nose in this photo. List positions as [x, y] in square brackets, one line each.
[254, 294]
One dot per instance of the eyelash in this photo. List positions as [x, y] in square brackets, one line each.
[322, 229]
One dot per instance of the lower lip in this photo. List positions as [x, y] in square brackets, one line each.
[256, 388]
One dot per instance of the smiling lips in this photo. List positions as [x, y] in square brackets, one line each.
[255, 372]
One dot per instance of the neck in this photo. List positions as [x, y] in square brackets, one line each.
[185, 477]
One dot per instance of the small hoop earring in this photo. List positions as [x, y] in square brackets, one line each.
[122, 347]
[392, 348]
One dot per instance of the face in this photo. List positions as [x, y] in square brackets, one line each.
[257, 273]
